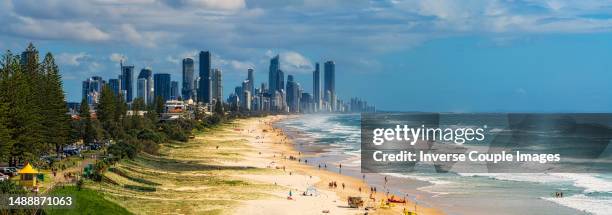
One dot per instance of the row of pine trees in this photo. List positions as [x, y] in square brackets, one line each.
[33, 119]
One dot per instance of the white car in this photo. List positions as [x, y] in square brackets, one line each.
[3, 177]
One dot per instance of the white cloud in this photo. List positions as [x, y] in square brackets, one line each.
[72, 59]
[52, 29]
[292, 62]
[143, 38]
[116, 57]
[208, 4]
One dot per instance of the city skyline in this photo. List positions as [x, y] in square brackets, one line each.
[446, 55]
[282, 96]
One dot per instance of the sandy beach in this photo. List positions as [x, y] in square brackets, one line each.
[272, 150]
[242, 167]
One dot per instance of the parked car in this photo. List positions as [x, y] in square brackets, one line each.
[10, 171]
[71, 150]
[3, 177]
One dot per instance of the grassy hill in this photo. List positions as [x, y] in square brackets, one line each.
[87, 202]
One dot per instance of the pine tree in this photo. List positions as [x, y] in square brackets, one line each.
[55, 119]
[24, 115]
[86, 131]
[106, 110]
[6, 142]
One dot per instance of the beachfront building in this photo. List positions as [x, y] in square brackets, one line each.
[217, 85]
[173, 110]
[162, 86]
[205, 86]
[188, 89]
[329, 84]
[144, 85]
[316, 87]
[127, 81]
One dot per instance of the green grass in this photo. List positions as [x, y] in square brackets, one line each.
[87, 202]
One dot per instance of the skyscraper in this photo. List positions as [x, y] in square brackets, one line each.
[115, 85]
[329, 87]
[251, 78]
[273, 74]
[316, 88]
[144, 84]
[92, 87]
[162, 86]
[217, 85]
[280, 84]
[188, 71]
[205, 86]
[293, 95]
[174, 90]
[127, 83]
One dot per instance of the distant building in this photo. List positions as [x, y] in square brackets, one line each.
[92, 88]
[251, 78]
[188, 89]
[205, 85]
[217, 85]
[162, 86]
[316, 87]
[273, 74]
[280, 85]
[144, 85]
[329, 87]
[293, 95]
[174, 90]
[127, 82]
[174, 109]
[115, 85]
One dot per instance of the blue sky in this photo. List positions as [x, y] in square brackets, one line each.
[436, 55]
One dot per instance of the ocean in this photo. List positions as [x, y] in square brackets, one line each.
[331, 139]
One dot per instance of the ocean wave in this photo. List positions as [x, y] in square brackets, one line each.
[590, 182]
[585, 203]
[520, 177]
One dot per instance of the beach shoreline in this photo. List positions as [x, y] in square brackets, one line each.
[276, 147]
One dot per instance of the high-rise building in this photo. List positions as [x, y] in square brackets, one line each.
[174, 90]
[92, 87]
[293, 95]
[273, 74]
[217, 85]
[316, 87]
[127, 82]
[280, 84]
[115, 85]
[141, 89]
[162, 86]
[144, 85]
[188, 70]
[29, 55]
[251, 78]
[329, 85]
[205, 85]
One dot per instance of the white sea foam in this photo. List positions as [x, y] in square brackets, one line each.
[522, 177]
[590, 182]
[585, 203]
